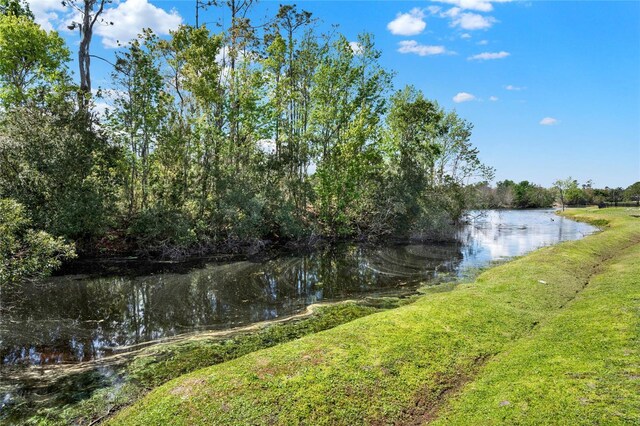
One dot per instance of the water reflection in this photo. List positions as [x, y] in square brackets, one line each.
[73, 318]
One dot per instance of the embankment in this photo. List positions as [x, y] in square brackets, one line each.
[423, 362]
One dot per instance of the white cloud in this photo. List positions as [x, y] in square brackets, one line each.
[514, 88]
[412, 46]
[451, 13]
[131, 17]
[465, 36]
[548, 121]
[471, 21]
[48, 13]
[493, 98]
[356, 47]
[488, 55]
[483, 42]
[408, 24]
[479, 5]
[463, 97]
[434, 10]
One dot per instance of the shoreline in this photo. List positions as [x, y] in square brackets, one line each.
[462, 332]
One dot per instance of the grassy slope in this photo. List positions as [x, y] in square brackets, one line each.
[160, 363]
[396, 366]
[582, 367]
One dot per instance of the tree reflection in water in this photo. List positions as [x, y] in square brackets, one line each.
[72, 319]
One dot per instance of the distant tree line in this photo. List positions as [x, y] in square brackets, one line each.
[564, 192]
[510, 195]
[220, 141]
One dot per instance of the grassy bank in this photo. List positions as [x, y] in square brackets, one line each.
[399, 366]
[88, 396]
[581, 367]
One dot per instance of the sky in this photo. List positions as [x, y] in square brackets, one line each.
[551, 87]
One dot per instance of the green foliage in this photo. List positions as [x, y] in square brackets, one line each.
[217, 141]
[632, 193]
[564, 188]
[349, 93]
[158, 229]
[508, 194]
[226, 143]
[54, 163]
[25, 253]
[528, 195]
[430, 161]
[16, 8]
[32, 61]
[135, 123]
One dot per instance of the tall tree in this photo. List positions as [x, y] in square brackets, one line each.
[90, 11]
[349, 91]
[290, 62]
[197, 50]
[141, 106]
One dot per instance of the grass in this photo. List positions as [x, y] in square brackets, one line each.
[175, 360]
[102, 396]
[582, 367]
[408, 364]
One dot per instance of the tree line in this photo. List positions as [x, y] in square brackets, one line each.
[223, 140]
[564, 192]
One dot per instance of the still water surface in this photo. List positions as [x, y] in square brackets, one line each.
[72, 319]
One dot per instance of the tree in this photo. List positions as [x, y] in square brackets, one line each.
[16, 8]
[25, 253]
[632, 193]
[32, 62]
[238, 36]
[140, 107]
[614, 194]
[505, 193]
[54, 163]
[197, 49]
[349, 91]
[562, 186]
[90, 11]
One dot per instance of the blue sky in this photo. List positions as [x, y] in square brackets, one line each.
[552, 87]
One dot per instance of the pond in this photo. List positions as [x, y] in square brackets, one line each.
[76, 318]
[73, 319]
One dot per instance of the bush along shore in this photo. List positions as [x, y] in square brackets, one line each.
[551, 336]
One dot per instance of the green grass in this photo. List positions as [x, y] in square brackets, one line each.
[160, 363]
[403, 365]
[582, 367]
[175, 360]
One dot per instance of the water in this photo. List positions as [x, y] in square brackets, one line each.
[73, 319]
[55, 330]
